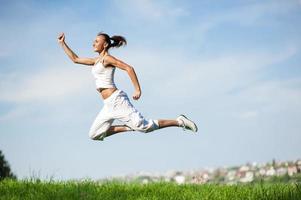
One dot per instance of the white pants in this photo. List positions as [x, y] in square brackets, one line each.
[118, 106]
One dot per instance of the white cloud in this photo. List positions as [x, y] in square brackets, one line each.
[249, 114]
[252, 14]
[268, 100]
[54, 83]
[218, 75]
[37, 29]
[273, 95]
[150, 10]
[14, 113]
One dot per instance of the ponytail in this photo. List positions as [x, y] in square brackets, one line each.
[118, 40]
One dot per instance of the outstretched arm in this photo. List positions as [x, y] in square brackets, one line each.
[110, 60]
[72, 55]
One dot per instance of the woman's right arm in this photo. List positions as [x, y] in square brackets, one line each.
[72, 55]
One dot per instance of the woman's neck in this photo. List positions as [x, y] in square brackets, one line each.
[103, 53]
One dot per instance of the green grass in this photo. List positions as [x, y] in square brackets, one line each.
[35, 189]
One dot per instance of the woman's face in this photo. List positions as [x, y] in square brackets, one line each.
[99, 43]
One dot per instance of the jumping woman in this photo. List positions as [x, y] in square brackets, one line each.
[117, 105]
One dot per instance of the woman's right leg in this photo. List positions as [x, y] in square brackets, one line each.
[181, 121]
[163, 123]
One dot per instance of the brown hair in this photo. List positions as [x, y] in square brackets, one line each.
[118, 40]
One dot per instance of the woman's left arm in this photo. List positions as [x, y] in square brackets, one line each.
[110, 60]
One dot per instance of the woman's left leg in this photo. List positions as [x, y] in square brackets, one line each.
[117, 129]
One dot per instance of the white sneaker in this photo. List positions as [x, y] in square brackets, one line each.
[187, 123]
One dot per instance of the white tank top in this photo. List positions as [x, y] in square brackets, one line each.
[104, 76]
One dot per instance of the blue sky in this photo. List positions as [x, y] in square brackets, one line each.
[232, 66]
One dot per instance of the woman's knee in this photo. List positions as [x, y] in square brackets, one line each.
[98, 132]
[148, 126]
[94, 135]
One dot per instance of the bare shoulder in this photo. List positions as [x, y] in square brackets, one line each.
[110, 60]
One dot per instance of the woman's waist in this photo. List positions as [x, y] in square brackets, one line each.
[106, 92]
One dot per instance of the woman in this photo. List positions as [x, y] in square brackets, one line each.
[116, 102]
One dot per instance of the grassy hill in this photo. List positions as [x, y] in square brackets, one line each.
[35, 189]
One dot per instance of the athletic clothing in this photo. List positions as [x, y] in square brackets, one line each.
[118, 106]
[104, 76]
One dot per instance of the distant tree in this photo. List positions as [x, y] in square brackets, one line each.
[5, 171]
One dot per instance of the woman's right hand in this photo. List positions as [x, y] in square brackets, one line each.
[137, 94]
[61, 38]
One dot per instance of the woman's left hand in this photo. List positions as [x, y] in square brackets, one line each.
[136, 94]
